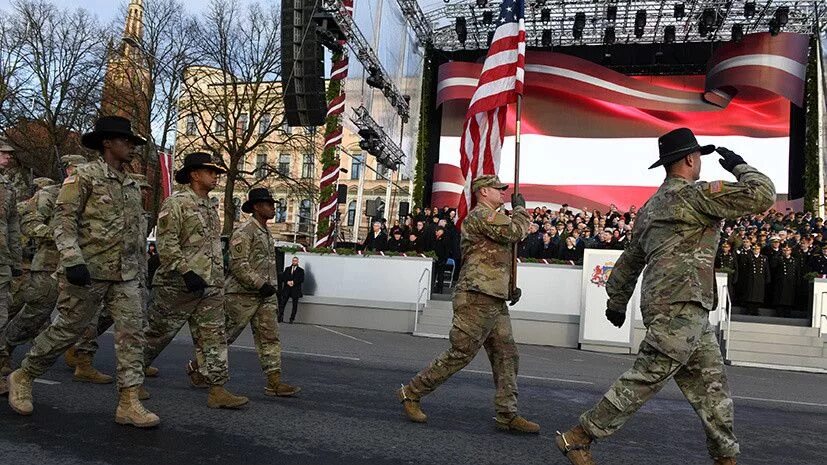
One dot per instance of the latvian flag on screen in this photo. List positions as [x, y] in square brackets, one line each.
[500, 82]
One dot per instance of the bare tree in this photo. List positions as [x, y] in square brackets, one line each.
[11, 60]
[232, 102]
[63, 55]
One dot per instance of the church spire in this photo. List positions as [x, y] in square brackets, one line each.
[134, 28]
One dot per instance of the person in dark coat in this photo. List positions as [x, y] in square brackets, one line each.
[532, 244]
[786, 275]
[753, 275]
[292, 280]
[414, 243]
[442, 248]
[377, 240]
[397, 243]
[571, 253]
[818, 262]
[549, 247]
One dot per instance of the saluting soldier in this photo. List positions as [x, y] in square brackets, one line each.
[96, 231]
[189, 283]
[250, 292]
[11, 254]
[675, 239]
[480, 312]
[40, 296]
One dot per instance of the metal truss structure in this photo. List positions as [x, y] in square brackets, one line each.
[389, 154]
[417, 20]
[554, 23]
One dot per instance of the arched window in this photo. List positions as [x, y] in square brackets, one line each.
[351, 213]
[305, 210]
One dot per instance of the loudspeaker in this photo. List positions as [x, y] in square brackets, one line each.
[302, 65]
[372, 208]
[341, 194]
[403, 208]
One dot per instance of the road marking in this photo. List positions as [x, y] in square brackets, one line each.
[541, 378]
[343, 334]
[311, 354]
[46, 382]
[777, 401]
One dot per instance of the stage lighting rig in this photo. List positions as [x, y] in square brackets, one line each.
[737, 32]
[328, 40]
[775, 28]
[579, 25]
[669, 34]
[487, 17]
[708, 18]
[482, 3]
[416, 18]
[680, 10]
[490, 38]
[546, 39]
[640, 23]
[609, 35]
[702, 29]
[782, 15]
[611, 13]
[545, 15]
[749, 10]
[375, 78]
[376, 142]
[462, 31]
[359, 45]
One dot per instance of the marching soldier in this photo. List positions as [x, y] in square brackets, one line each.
[675, 238]
[40, 296]
[250, 293]
[480, 312]
[11, 254]
[96, 230]
[189, 284]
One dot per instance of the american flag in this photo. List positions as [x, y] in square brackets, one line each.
[500, 82]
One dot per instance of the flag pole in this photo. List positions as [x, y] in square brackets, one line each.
[516, 186]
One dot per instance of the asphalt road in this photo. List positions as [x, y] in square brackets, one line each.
[347, 413]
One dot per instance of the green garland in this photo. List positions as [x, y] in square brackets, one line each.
[811, 142]
[424, 124]
[329, 154]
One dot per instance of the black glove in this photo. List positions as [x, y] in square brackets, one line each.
[266, 290]
[78, 275]
[517, 200]
[615, 317]
[729, 159]
[514, 296]
[194, 282]
[15, 272]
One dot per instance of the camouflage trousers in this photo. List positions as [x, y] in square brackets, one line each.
[88, 343]
[4, 304]
[77, 307]
[172, 307]
[38, 302]
[17, 293]
[479, 321]
[260, 314]
[702, 379]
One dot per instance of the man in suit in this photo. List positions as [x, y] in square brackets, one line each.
[292, 280]
[377, 240]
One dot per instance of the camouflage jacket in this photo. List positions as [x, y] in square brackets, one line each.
[36, 224]
[189, 239]
[11, 254]
[676, 238]
[252, 259]
[96, 222]
[488, 238]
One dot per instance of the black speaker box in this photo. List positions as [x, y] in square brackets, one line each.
[372, 208]
[302, 65]
[403, 208]
[341, 194]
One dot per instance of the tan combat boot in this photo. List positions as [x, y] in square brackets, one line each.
[86, 373]
[575, 444]
[411, 406]
[151, 372]
[71, 357]
[516, 424]
[197, 380]
[131, 412]
[276, 388]
[20, 392]
[725, 461]
[222, 398]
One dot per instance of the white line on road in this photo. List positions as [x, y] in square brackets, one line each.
[340, 357]
[541, 378]
[46, 382]
[793, 402]
[343, 334]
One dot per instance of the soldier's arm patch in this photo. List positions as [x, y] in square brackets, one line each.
[716, 187]
[70, 180]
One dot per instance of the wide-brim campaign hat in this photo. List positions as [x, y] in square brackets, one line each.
[110, 127]
[677, 144]
[256, 195]
[194, 161]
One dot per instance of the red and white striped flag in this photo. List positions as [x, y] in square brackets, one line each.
[165, 160]
[500, 82]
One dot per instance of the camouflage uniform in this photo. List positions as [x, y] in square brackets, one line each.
[188, 239]
[96, 223]
[676, 237]
[480, 312]
[252, 264]
[19, 285]
[11, 253]
[41, 293]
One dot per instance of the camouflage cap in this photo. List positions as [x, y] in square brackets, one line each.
[73, 160]
[140, 179]
[43, 182]
[487, 180]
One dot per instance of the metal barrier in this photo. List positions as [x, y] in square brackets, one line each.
[420, 292]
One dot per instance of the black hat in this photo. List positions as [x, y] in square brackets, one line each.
[194, 161]
[110, 127]
[677, 144]
[258, 194]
